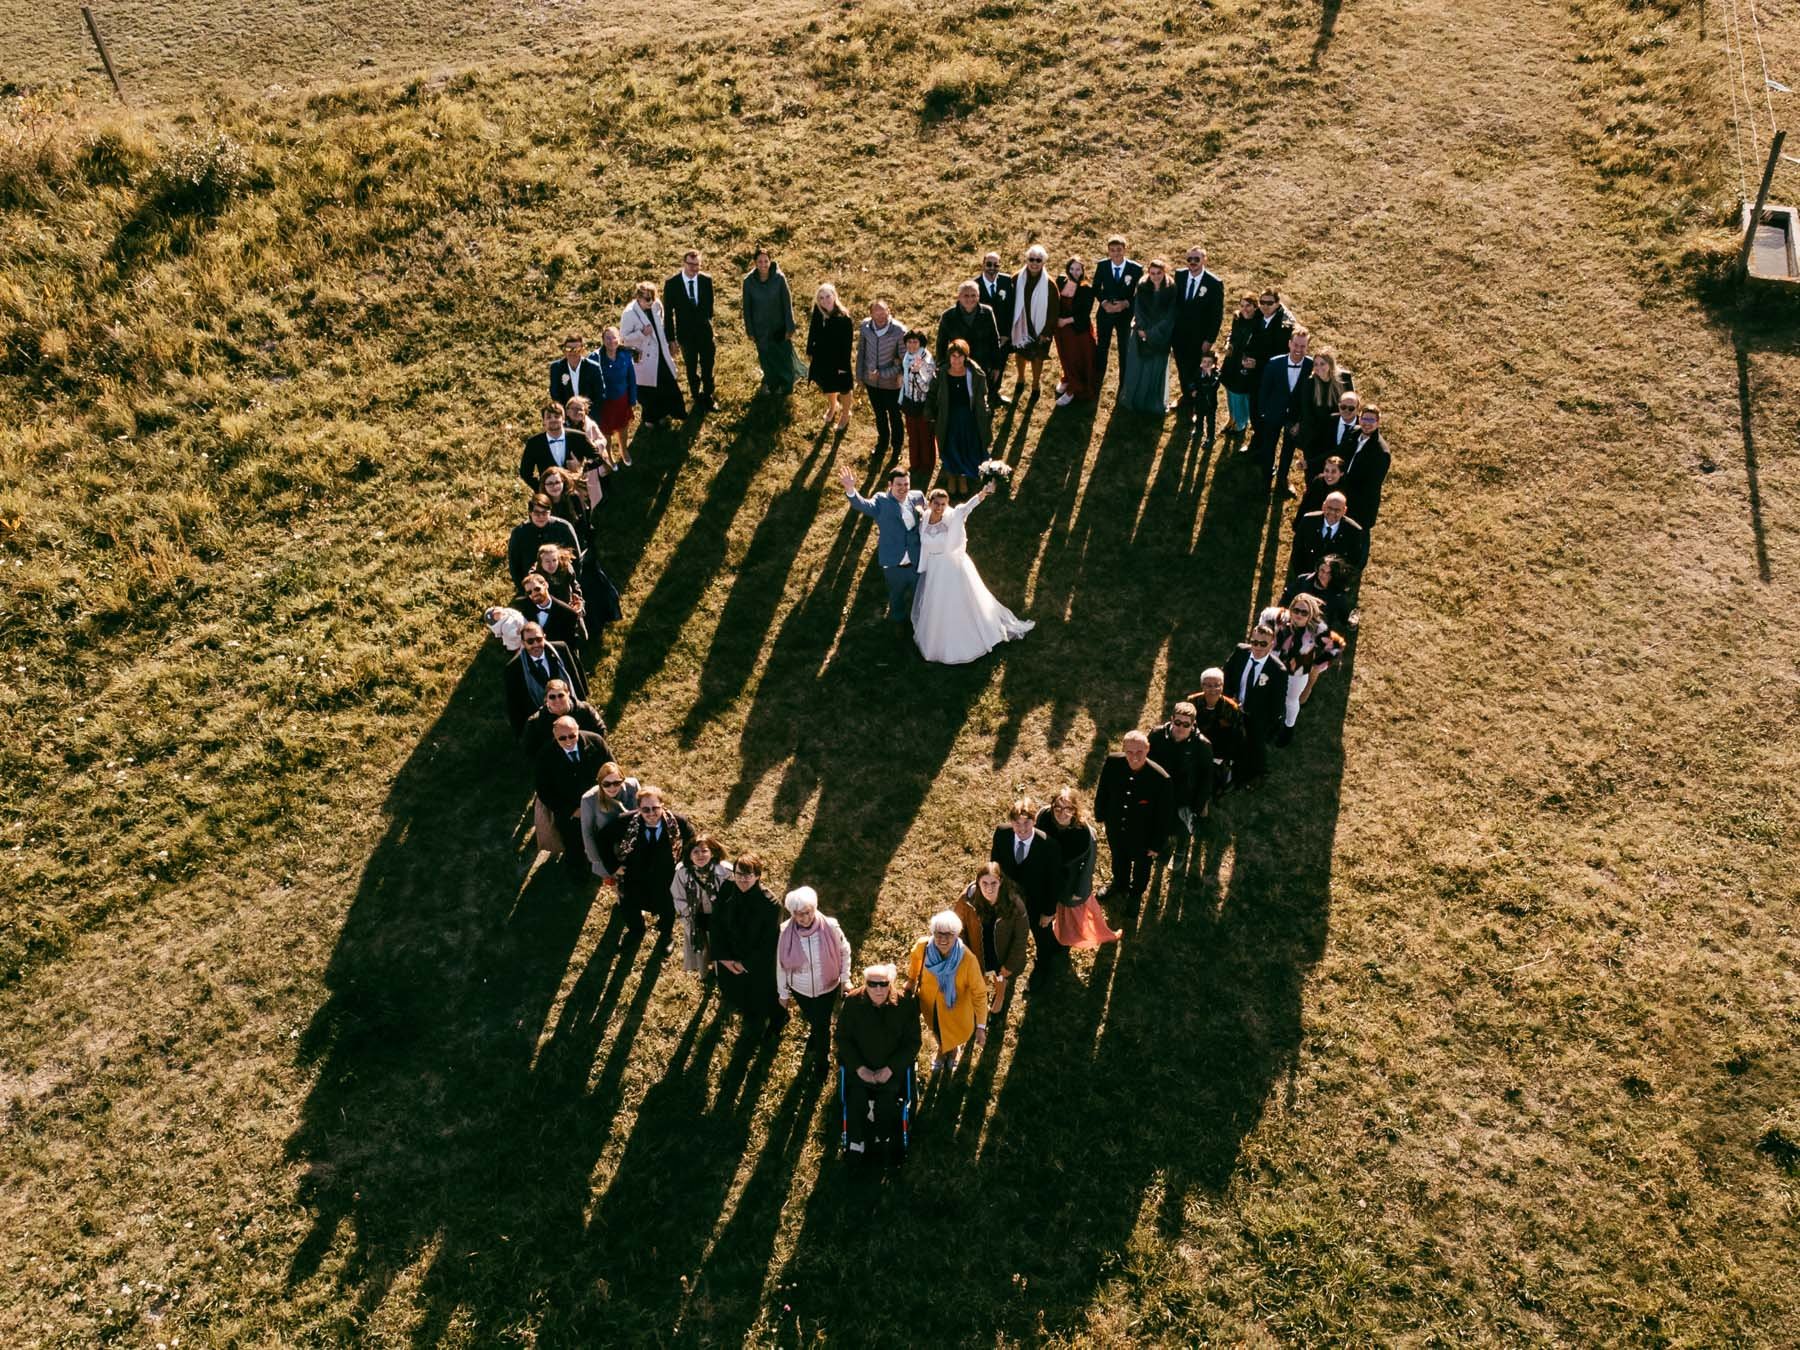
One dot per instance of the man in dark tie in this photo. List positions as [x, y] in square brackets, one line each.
[641, 848]
[528, 675]
[1336, 437]
[1135, 801]
[688, 325]
[996, 291]
[1328, 530]
[566, 769]
[1366, 465]
[1256, 678]
[1279, 401]
[1199, 310]
[1115, 283]
[1030, 859]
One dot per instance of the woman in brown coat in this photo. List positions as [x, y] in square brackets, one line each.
[997, 929]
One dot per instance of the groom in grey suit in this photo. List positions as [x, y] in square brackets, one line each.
[897, 513]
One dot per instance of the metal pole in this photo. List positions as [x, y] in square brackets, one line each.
[100, 44]
[1762, 200]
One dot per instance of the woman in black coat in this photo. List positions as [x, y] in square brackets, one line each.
[830, 336]
[745, 931]
[1238, 379]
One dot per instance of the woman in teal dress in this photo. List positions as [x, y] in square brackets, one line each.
[1145, 386]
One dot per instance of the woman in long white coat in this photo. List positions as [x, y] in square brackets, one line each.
[641, 333]
[955, 617]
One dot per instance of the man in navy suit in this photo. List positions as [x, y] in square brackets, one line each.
[1030, 859]
[1279, 400]
[896, 513]
[1115, 284]
[575, 372]
[1199, 311]
[688, 325]
[1257, 679]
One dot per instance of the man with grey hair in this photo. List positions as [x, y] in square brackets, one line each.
[878, 1045]
[1135, 802]
[880, 343]
[1328, 530]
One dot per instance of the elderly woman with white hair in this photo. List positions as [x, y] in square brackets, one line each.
[878, 1047]
[812, 964]
[830, 340]
[1036, 307]
[946, 977]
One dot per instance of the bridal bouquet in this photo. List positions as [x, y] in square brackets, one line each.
[995, 471]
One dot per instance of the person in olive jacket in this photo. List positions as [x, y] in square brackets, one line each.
[878, 1047]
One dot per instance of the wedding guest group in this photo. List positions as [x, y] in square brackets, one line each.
[935, 395]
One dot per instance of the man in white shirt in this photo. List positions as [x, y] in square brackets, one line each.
[1278, 405]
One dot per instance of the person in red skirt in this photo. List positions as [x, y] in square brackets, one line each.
[1075, 336]
[917, 371]
[619, 395]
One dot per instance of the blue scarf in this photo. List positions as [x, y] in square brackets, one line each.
[943, 968]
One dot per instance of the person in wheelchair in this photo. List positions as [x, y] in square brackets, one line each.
[878, 1048]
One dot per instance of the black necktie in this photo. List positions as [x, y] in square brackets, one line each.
[1192, 283]
[543, 670]
[693, 291]
[1331, 531]
[1018, 850]
[575, 756]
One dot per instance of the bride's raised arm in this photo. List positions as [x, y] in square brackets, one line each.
[962, 511]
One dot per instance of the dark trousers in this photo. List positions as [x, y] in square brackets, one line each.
[1206, 412]
[1255, 758]
[816, 1013]
[1268, 436]
[1105, 325]
[699, 358]
[634, 900]
[885, 1098]
[1187, 365]
[1052, 956]
[574, 856]
[1131, 866]
[890, 427]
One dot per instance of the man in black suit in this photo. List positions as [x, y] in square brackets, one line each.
[1135, 801]
[1334, 437]
[540, 528]
[575, 373]
[1328, 530]
[1280, 398]
[996, 291]
[553, 445]
[1187, 757]
[528, 675]
[557, 618]
[1199, 310]
[1366, 465]
[566, 769]
[641, 849]
[1115, 284]
[559, 703]
[1255, 677]
[1030, 859]
[975, 324]
[688, 325]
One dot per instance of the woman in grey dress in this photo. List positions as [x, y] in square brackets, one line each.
[1145, 387]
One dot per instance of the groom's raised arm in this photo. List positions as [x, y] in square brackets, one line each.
[861, 503]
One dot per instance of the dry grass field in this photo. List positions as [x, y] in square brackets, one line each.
[1478, 1025]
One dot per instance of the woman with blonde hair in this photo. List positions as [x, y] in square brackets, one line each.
[830, 340]
[952, 992]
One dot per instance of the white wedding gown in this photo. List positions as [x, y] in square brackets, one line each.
[955, 617]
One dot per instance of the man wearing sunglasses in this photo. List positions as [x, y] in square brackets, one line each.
[1257, 680]
[642, 849]
[528, 675]
[878, 1045]
[565, 769]
[1366, 465]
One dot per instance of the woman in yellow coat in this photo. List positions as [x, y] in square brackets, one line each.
[952, 991]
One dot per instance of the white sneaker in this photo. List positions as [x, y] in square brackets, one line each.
[1065, 400]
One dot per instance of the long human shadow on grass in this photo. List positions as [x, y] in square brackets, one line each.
[1125, 1103]
[442, 974]
[662, 615]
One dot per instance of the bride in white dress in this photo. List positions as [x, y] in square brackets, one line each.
[955, 617]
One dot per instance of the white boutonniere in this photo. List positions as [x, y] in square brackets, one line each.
[1261, 680]
[568, 378]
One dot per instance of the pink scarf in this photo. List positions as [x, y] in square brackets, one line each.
[792, 953]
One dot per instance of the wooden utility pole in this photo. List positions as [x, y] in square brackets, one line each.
[1762, 200]
[100, 45]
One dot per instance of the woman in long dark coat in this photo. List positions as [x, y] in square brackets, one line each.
[746, 928]
[1146, 381]
[830, 338]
